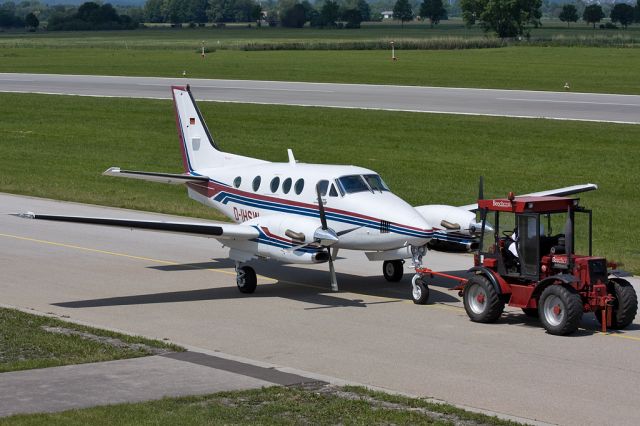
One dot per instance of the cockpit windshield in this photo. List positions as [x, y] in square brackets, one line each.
[376, 183]
[358, 183]
[353, 183]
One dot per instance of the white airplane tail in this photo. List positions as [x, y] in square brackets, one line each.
[199, 151]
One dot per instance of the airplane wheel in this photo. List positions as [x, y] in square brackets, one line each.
[419, 291]
[393, 270]
[246, 279]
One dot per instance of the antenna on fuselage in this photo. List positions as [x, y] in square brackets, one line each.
[292, 159]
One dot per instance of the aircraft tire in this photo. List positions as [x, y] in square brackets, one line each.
[419, 291]
[246, 280]
[393, 270]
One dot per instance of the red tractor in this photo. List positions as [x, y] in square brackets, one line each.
[522, 263]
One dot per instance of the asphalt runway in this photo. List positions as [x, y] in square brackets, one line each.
[508, 103]
[183, 288]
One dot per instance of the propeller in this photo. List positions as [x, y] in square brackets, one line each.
[326, 237]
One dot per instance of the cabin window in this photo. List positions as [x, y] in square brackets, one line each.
[286, 185]
[237, 181]
[275, 184]
[376, 183]
[352, 183]
[333, 192]
[323, 185]
[256, 183]
[299, 186]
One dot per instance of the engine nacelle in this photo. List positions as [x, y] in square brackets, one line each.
[277, 237]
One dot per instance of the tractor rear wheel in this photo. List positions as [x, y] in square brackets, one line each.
[625, 305]
[560, 309]
[481, 300]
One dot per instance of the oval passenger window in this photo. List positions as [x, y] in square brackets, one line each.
[256, 183]
[275, 183]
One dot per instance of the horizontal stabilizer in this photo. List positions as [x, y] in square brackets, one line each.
[155, 177]
[221, 231]
[559, 192]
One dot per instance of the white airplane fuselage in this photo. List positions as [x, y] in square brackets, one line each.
[286, 199]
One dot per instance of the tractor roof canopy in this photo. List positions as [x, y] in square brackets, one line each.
[529, 204]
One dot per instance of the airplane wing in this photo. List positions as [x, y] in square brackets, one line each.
[218, 231]
[171, 178]
[559, 192]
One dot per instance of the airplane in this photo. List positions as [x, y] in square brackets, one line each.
[294, 212]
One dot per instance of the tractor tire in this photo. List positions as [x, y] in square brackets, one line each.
[419, 291]
[246, 280]
[481, 300]
[393, 270]
[625, 306]
[560, 309]
[531, 312]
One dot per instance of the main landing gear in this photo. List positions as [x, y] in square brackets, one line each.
[393, 270]
[246, 279]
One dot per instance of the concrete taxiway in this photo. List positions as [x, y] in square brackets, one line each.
[183, 288]
[508, 103]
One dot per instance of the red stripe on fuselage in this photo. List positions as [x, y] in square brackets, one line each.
[215, 188]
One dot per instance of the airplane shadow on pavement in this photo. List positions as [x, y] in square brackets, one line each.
[300, 284]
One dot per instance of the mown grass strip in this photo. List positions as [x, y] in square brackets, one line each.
[58, 146]
[271, 406]
[535, 68]
[30, 341]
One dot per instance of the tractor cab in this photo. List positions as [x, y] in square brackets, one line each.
[532, 237]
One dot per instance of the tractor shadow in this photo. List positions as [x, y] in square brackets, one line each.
[305, 285]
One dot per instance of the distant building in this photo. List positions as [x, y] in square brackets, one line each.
[387, 14]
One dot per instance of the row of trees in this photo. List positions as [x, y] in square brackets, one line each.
[622, 13]
[433, 10]
[511, 18]
[91, 16]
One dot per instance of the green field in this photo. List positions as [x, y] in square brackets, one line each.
[535, 68]
[316, 405]
[33, 341]
[60, 151]
[170, 52]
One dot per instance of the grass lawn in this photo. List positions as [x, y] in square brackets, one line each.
[58, 146]
[166, 52]
[25, 343]
[270, 406]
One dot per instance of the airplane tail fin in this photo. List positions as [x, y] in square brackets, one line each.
[199, 150]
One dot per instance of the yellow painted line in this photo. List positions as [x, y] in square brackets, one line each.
[112, 253]
[618, 335]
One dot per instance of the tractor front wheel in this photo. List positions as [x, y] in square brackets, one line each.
[560, 309]
[481, 300]
[625, 305]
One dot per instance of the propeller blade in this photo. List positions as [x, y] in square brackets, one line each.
[323, 218]
[332, 272]
[346, 231]
[481, 189]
